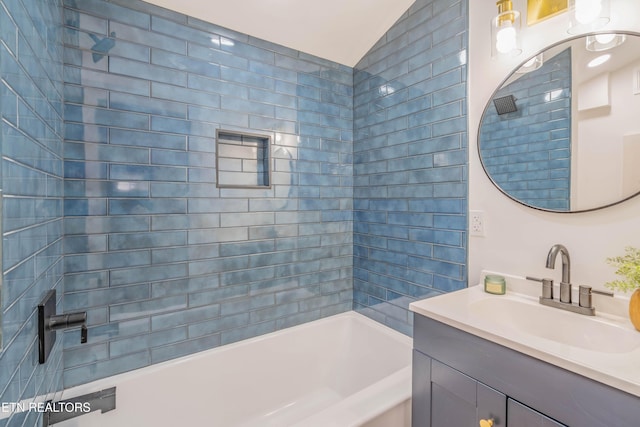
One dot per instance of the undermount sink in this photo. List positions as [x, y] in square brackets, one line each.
[529, 318]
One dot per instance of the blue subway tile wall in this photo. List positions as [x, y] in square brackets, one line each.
[165, 262]
[410, 163]
[31, 136]
[527, 153]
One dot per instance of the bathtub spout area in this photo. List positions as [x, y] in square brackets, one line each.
[57, 412]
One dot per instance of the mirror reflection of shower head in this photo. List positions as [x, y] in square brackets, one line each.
[505, 104]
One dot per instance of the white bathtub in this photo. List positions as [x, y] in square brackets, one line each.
[345, 370]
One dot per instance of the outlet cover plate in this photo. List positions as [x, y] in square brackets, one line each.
[476, 223]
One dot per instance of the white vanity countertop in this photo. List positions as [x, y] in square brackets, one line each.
[610, 359]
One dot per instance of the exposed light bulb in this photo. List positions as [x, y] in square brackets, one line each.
[587, 11]
[602, 42]
[504, 30]
[532, 64]
[506, 38]
[605, 38]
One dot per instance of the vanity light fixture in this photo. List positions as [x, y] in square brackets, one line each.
[531, 65]
[599, 60]
[504, 30]
[600, 42]
[588, 15]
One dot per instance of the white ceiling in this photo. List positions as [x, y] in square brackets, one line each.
[340, 30]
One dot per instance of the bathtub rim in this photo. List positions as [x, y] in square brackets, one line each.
[107, 382]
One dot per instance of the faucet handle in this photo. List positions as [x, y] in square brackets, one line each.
[547, 286]
[605, 293]
[584, 296]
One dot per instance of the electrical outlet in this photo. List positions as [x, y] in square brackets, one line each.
[476, 223]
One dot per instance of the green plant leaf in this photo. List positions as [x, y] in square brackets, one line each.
[628, 267]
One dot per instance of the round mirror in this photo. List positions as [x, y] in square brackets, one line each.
[562, 132]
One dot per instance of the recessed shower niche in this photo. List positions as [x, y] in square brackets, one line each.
[242, 160]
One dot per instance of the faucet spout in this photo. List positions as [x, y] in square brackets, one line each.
[565, 285]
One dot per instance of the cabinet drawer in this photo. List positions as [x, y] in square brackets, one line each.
[519, 415]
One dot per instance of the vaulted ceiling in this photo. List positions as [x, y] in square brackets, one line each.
[339, 30]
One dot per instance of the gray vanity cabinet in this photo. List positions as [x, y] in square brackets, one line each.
[444, 397]
[460, 379]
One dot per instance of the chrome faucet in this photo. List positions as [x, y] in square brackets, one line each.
[565, 284]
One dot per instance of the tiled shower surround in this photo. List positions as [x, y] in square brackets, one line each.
[364, 212]
[410, 163]
[31, 142]
[166, 263]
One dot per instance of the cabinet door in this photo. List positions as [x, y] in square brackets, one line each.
[520, 415]
[444, 397]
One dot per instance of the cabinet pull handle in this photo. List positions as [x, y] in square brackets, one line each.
[486, 423]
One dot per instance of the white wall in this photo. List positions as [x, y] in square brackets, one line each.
[518, 238]
[603, 135]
